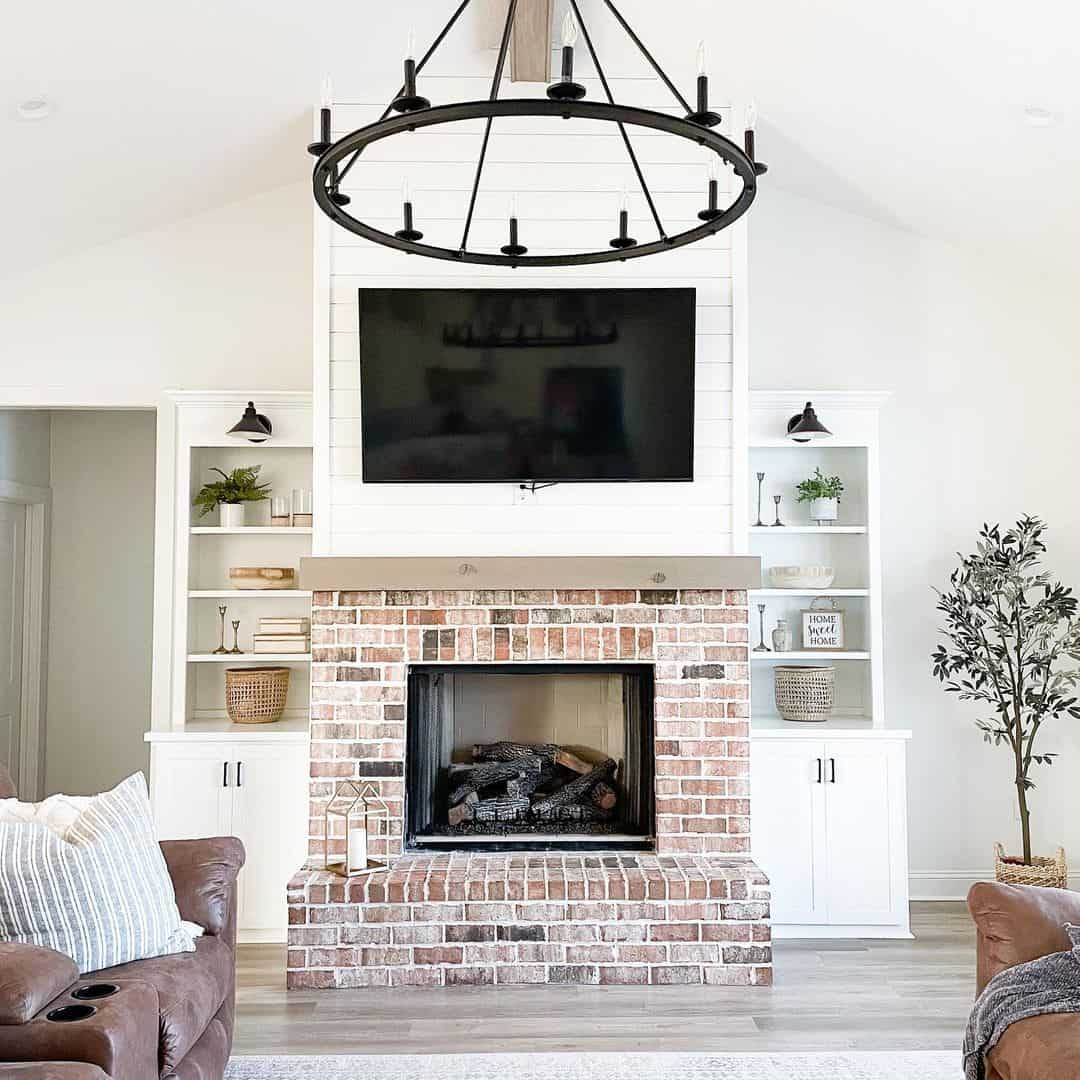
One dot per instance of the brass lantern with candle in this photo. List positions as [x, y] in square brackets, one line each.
[360, 808]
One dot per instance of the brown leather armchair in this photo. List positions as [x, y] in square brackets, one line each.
[1015, 924]
[169, 1016]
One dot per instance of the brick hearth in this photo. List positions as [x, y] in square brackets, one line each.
[696, 911]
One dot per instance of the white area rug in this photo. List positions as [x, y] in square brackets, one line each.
[852, 1065]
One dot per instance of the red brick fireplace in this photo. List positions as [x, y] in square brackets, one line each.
[677, 902]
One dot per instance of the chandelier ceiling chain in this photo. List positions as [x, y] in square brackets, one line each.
[335, 159]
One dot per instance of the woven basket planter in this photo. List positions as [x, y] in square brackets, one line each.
[804, 694]
[1050, 873]
[256, 695]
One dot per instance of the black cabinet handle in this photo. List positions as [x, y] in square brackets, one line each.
[819, 770]
[832, 770]
[239, 774]
[224, 774]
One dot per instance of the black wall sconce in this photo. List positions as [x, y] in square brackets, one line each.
[253, 426]
[805, 427]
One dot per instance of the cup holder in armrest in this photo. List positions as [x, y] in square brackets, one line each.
[95, 991]
[68, 1014]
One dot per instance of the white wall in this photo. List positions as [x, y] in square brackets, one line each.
[221, 300]
[24, 447]
[981, 357]
[101, 599]
[567, 197]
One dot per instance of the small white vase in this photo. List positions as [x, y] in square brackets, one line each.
[824, 511]
[232, 515]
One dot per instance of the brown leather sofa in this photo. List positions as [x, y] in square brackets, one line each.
[170, 1016]
[1015, 924]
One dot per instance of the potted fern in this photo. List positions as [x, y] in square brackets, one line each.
[230, 494]
[1009, 631]
[823, 494]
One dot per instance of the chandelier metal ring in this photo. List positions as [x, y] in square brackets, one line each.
[326, 169]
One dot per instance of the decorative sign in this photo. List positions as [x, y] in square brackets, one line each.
[823, 629]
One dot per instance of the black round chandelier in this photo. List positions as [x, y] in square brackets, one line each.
[565, 99]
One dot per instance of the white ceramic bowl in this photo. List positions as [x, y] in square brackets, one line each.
[801, 577]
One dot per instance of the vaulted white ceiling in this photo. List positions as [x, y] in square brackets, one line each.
[912, 113]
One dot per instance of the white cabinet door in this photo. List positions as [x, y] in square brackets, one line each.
[787, 821]
[865, 808]
[191, 789]
[270, 816]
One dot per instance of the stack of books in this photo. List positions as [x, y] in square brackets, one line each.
[283, 635]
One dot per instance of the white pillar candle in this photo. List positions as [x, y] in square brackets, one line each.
[357, 858]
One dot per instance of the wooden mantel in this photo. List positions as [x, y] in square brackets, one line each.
[322, 573]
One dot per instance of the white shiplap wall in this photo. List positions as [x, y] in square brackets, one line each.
[567, 177]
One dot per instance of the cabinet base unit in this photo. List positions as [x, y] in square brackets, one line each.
[251, 787]
[829, 828]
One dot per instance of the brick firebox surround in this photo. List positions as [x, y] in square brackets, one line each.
[695, 911]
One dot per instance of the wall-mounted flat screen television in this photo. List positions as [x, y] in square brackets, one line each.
[529, 385]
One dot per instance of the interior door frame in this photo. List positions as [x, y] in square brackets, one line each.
[37, 503]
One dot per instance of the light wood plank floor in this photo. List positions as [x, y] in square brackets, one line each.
[863, 995]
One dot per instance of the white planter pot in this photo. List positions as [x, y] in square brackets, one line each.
[824, 511]
[232, 515]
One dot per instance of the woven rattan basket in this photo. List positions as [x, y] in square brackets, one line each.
[256, 695]
[1051, 873]
[804, 693]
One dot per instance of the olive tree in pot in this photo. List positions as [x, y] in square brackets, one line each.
[1010, 630]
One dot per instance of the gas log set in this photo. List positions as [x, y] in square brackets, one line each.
[520, 787]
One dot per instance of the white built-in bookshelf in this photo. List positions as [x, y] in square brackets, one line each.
[850, 546]
[202, 552]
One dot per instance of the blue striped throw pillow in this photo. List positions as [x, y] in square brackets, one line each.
[97, 891]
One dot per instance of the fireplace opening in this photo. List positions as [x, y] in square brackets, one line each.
[529, 757]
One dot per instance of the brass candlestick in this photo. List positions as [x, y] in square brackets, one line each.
[221, 646]
[761, 646]
[235, 633]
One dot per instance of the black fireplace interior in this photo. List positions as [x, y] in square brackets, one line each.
[529, 756]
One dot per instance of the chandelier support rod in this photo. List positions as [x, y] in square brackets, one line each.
[419, 67]
[495, 83]
[622, 127]
[687, 107]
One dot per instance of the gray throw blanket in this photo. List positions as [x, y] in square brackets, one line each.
[1050, 984]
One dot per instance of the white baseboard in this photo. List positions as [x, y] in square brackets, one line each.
[954, 884]
[811, 931]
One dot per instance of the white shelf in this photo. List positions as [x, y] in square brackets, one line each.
[811, 654]
[252, 530]
[779, 530]
[212, 594]
[294, 730]
[809, 592]
[771, 726]
[248, 658]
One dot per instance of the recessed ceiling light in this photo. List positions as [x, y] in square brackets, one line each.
[1039, 116]
[36, 108]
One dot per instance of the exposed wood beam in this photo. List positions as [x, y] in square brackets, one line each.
[530, 50]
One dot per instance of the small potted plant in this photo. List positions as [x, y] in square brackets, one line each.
[230, 493]
[1009, 629]
[823, 494]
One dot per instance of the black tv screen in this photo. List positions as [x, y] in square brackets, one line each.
[545, 385]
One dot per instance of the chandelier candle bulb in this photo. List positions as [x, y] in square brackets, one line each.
[409, 100]
[566, 89]
[712, 211]
[703, 115]
[750, 142]
[624, 239]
